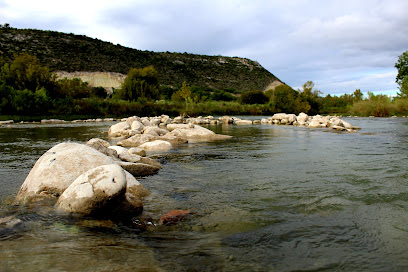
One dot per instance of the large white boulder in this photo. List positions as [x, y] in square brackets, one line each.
[197, 133]
[93, 190]
[57, 168]
[302, 118]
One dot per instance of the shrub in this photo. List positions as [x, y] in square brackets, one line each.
[253, 97]
[141, 83]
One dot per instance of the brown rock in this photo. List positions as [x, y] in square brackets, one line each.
[174, 216]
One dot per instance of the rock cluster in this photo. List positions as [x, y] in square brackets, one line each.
[162, 133]
[91, 178]
[97, 178]
[316, 121]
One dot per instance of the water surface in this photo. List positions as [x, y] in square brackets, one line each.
[272, 198]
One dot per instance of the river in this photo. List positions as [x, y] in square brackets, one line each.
[272, 198]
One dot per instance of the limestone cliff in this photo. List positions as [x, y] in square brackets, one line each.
[77, 53]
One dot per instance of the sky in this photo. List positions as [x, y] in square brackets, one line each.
[340, 45]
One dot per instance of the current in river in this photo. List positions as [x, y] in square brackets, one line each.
[272, 198]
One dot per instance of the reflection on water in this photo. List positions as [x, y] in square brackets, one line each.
[273, 198]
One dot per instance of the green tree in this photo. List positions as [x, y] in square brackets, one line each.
[185, 92]
[357, 95]
[404, 88]
[26, 73]
[402, 66]
[141, 84]
[285, 99]
[74, 88]
[253, 97]
[312, 96]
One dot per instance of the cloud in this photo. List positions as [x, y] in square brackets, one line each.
[341, 45]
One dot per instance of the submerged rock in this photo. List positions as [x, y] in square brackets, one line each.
[139, 169]
[175, 216]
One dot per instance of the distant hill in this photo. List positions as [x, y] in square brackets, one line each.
[68, 53]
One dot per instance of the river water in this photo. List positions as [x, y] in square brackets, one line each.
[272, 198]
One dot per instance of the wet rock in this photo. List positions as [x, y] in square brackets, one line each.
[57, 168]
[139, 169]
[174, 216]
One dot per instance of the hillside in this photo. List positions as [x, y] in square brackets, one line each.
[70, 53]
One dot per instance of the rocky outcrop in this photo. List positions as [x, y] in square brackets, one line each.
[89, 178]
[57, 168]
[316, 121]
[161, 133]
[92, 190]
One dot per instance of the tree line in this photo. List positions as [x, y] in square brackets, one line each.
[28, 88]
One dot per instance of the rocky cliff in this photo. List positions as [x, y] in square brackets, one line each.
[77, 53]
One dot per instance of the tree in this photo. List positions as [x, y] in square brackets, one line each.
[141, 84]
[185, 92]
[285, 99]
[404, 87]
[402, 66]
[358, 95]
[253, 97]
[26, 73]
[312, 97]
[74, 88]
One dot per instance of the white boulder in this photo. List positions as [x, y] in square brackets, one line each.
[57, 168]
[119, 130]
[157, 145]
[92, 190]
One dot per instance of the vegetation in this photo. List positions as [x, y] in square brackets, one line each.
[70, 53]
[140, 84]
[253, 97]
[30, 88]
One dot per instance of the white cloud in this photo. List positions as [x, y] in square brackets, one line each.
[341, 45]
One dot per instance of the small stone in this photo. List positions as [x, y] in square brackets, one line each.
[174, 216]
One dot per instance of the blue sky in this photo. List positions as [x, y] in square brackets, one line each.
[341, 45]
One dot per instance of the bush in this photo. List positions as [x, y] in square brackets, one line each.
[141, 83]
[375, 105]
[253, 97]
[221, 95]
